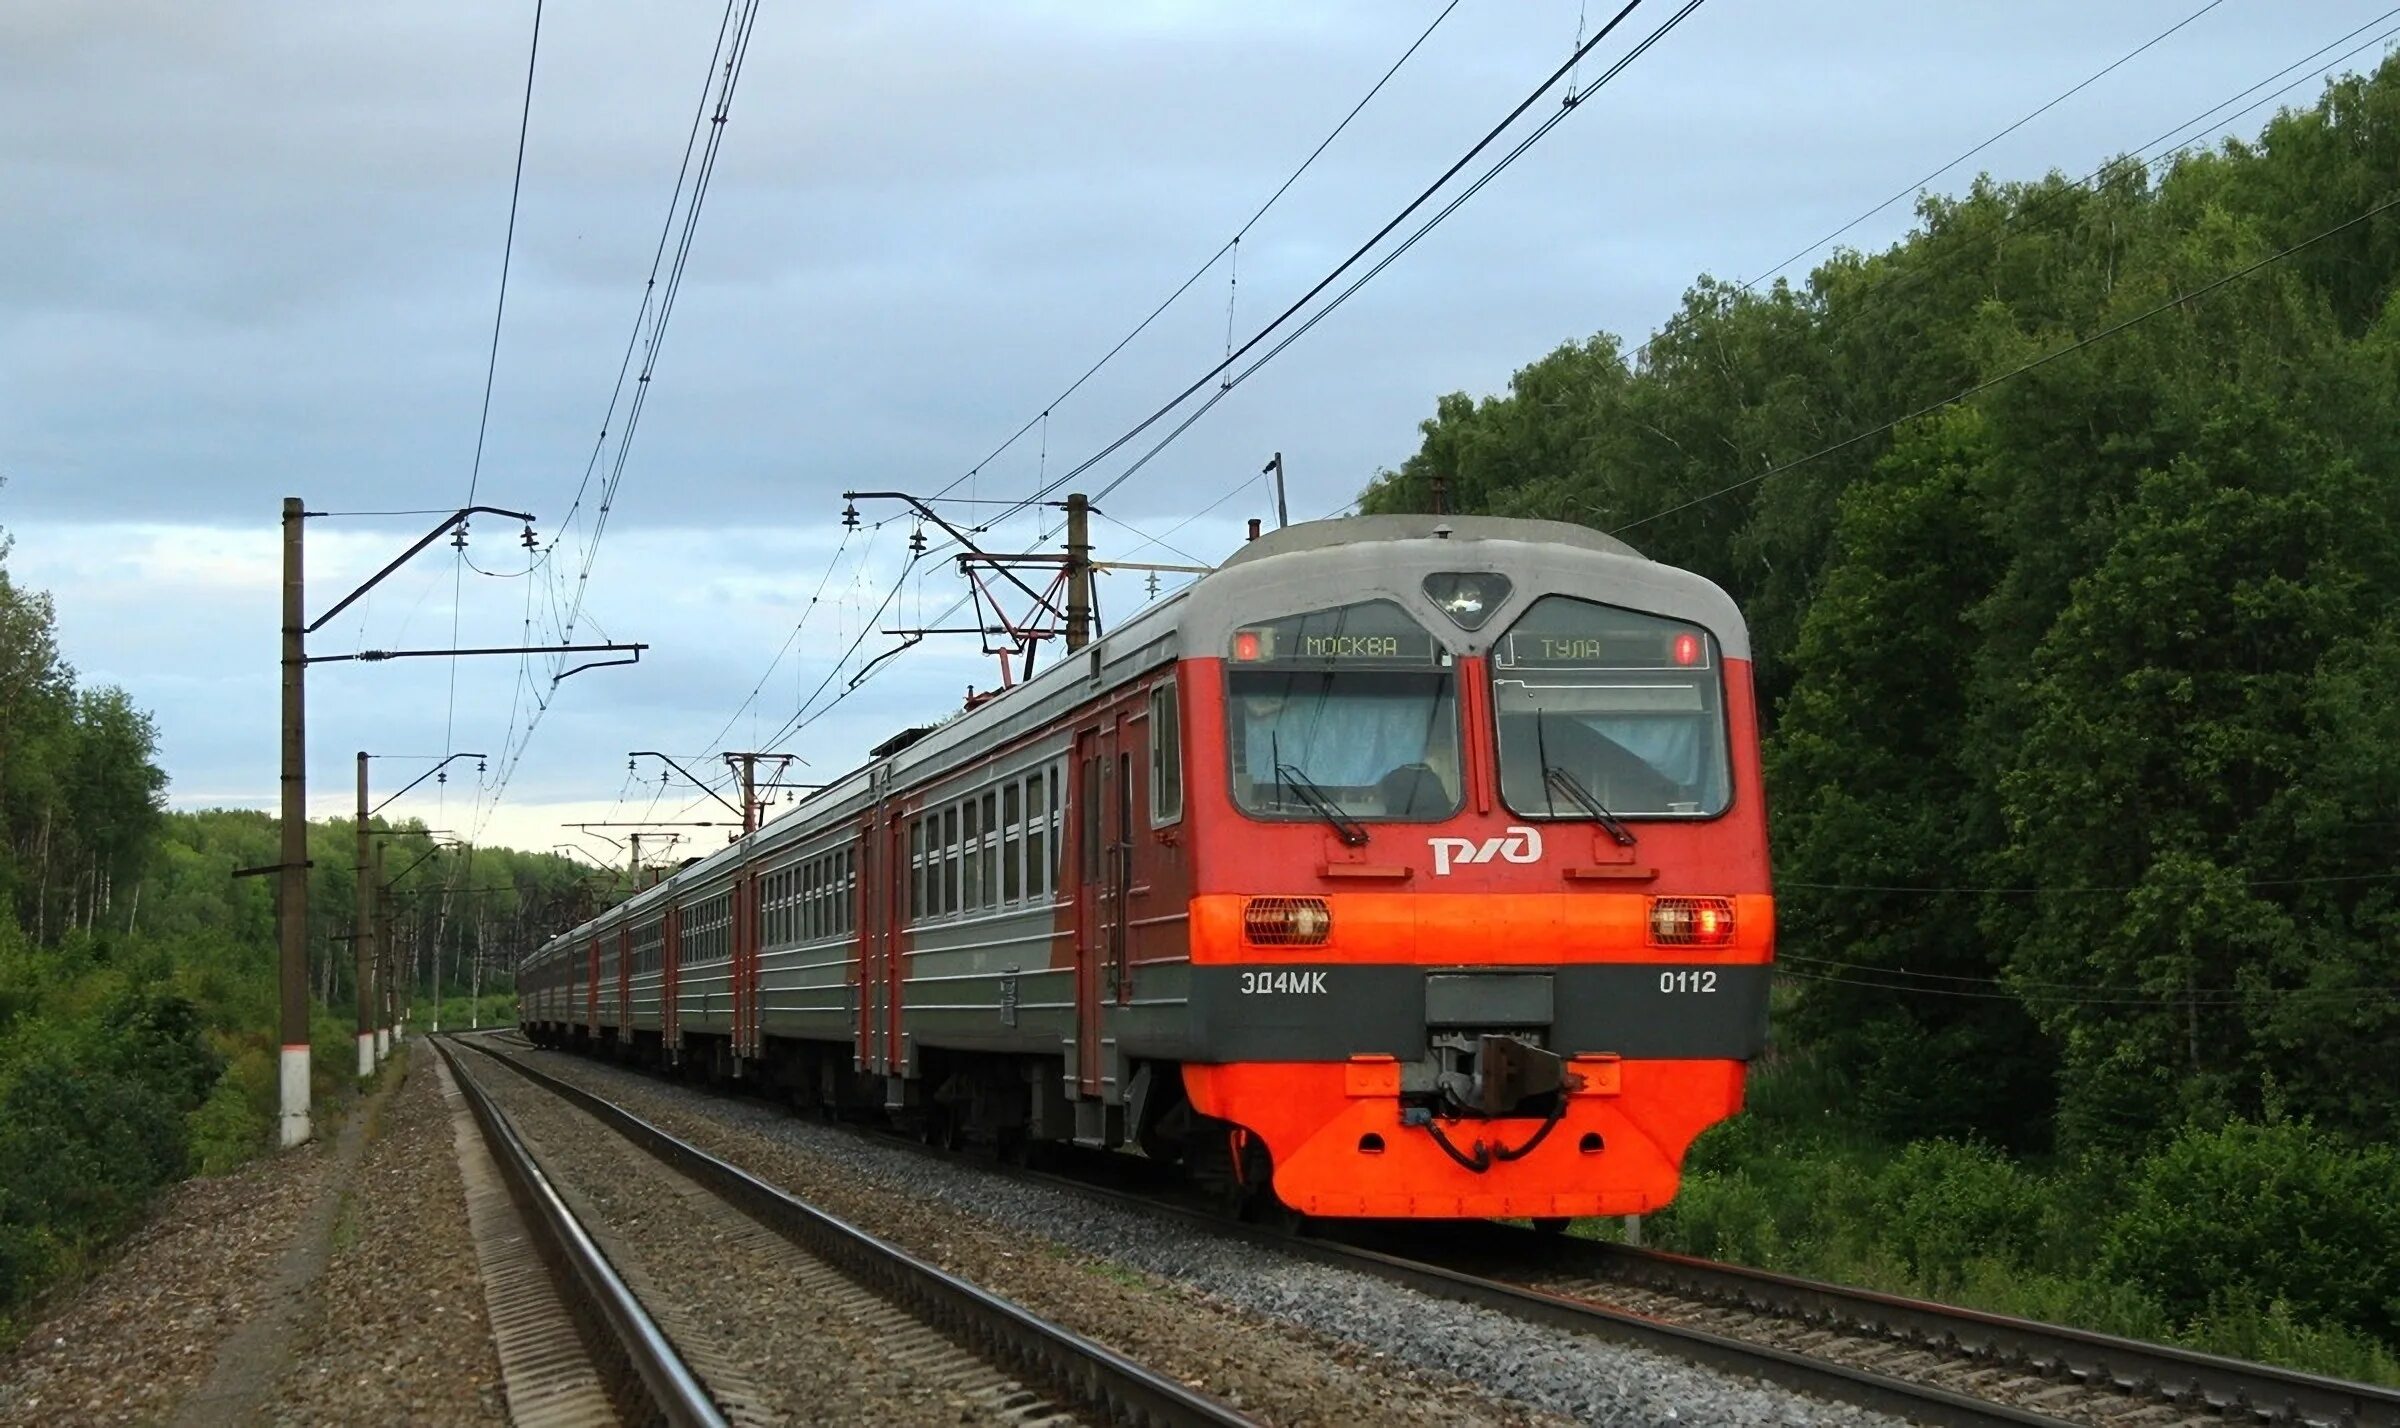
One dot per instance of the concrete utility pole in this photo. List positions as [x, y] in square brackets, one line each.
[1079, 571]
[442, 925]
[292, 868]
[292, 876]
[362, 943]
[475, 974]
[382, 1011]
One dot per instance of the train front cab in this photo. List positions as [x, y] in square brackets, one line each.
[1485, 926]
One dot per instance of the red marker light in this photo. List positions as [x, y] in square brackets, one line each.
[1691, 922]
[1687, 648]
[1245, 645]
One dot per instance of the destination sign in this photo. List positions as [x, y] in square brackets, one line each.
[1578, 634]
[1373, 632]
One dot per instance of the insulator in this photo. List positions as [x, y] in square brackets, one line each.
[529, 540]
[479, 766]
[850, 516]
[458, 538]
[916, 541]
[442, 776]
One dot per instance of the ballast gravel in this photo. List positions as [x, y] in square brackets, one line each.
[1444, 1362]
[396, 1330]
[1284, 1375]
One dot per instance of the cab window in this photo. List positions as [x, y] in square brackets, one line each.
[1597, 703]
[1355, 708]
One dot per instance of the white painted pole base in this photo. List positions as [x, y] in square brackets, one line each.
[366, 1054]
[383, 1044]
[294, 1088]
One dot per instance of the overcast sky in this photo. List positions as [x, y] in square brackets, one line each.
[250, 251]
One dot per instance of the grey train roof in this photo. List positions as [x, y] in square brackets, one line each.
[1313, 566]
[1327, 563]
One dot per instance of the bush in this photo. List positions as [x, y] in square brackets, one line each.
[2222, 1225]
[232, 1124]
[1721, 1216]
[1943, 1205]
[81, 1150]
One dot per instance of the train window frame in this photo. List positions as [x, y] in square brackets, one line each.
[1038, 847]
[1714, 699]
[950, 861]
[1445, 687]
[1348, 669]
[991, 848]
[1166, 754]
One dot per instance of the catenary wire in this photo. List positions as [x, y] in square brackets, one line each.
[1572, 101]
[2028, 117]
[1490, 137]
[1202, 271]
[740, 19]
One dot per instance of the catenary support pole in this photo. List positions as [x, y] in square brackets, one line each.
[1079, 571]
[1283, 510]
[362, 940]
[383, 962]
[292, 877]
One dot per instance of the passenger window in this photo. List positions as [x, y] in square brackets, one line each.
[1037, 841]
[1166, 756]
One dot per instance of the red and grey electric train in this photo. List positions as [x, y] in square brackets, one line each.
[1404, 865]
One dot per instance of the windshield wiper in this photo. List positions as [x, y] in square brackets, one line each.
[1573, 788]
[1566, 782]
[1352, 833]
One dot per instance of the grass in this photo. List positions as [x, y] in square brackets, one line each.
[1790, 1186]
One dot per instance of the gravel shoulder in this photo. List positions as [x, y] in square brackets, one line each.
[146, 1334]
[396, 1331]
[1295, 1343]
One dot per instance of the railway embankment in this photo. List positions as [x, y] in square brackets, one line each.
[327, 1284]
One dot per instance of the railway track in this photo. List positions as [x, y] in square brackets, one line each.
[1929, 1362]
[576, 1346]
[1009, 1364]
[2070, 1374]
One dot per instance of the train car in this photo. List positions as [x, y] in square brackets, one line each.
[1404, 866]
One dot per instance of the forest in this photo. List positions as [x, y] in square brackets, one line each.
[137, 974]
[2068, 533]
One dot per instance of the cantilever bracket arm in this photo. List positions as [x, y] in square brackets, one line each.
[420, 778]
[687, 774]
[454, 518]
[909, 641]
[376, 656]
[636, 658]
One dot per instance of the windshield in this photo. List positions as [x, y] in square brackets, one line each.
[1353, 710]
[1624, 707]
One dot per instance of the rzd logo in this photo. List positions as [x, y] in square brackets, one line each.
[1519, 844]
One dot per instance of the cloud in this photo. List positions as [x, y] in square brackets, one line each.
[249, 253]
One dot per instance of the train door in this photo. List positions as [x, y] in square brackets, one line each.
[1097, 798]
[878, 947]
[625, 982]
[670, 1010]
[591, 999]
[744, 933]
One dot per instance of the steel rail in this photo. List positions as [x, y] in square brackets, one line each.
[2186, 1377]
[1786, 1368]
[1923, 1403]
[1093, 1375]
[609, 1308]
